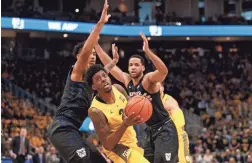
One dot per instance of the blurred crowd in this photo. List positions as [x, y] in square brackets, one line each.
[21, 118]
[119, 14]
[213, 82]
[38, 70]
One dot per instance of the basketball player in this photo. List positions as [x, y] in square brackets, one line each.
[163, 133]
[172, 107]
[116, 134]
[63, 132]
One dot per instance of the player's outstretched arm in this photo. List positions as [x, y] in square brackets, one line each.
[116, 71]
[110, 140]
[82, 63]
[162, 71]
[112, 63]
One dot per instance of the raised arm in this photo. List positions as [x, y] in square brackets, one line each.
[112, 63]
[115, 71]
[81, 65]
[162, 71]
[110, 140]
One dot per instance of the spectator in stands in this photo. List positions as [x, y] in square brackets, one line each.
[3, 147]
[238, 156]
[39, 156]
[36, 139]
[208, 157]
[198, 157]
[51, 156]
[20, 147]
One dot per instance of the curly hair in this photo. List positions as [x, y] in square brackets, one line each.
[92, 71]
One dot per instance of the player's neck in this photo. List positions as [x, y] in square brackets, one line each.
[107, 97]
[136, 80]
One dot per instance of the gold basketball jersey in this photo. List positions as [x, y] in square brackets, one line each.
[113, 113]
[178, 118]
[179, 121]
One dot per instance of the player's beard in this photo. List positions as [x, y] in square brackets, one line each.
[137, 75]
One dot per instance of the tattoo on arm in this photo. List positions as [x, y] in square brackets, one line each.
[103, 131]
[100, 123]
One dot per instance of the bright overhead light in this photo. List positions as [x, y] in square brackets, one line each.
[187, 38]
[148, 38]
[228, 38]
[115, 38]
[65, 35]
[77, 10]
[178, 24]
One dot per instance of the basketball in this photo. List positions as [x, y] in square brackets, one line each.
[141, 106]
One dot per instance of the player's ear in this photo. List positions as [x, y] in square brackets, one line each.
[143, 68]
[94, 88]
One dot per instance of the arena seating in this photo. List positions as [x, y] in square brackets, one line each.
[215, 84]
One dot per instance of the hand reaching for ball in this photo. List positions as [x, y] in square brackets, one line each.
[147, 96]
[132, 119]
[139, 106]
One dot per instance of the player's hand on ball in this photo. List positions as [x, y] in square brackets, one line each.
[105, 16]
[115, 53]
[132, 119]
[147, 96]
[145, 42]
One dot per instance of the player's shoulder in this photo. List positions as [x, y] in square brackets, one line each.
[96, 104]
[118, 87]
[92, 111]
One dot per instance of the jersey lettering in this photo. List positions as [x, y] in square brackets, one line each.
[138, 93]
[159, 113]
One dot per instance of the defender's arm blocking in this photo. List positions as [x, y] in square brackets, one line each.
[116, 71]
[82, 62]
[162, 71]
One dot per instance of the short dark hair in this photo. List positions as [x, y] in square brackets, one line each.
[77, 48]
[139, 57]
[92, 71]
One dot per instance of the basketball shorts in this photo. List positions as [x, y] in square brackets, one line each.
[164, 141]
[133, 156]
[66, 138]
